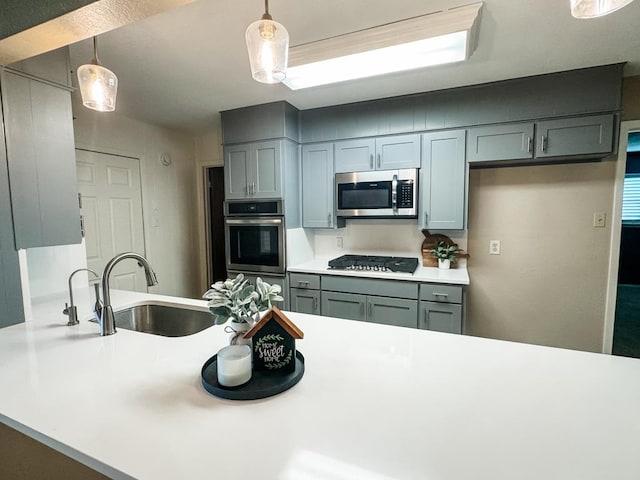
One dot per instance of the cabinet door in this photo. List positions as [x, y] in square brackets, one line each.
[440, 317]
[392, 311]
[400, 151]
[443, 180]
[317, 186]
[41, 159]
[343, 305]
[236, 171]
[575, 136]
[304, 301]
[265, 169]
[500, 142]
[355, 155]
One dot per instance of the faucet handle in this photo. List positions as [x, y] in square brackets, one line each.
[66, 309]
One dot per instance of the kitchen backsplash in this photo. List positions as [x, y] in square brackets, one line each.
[400, 237]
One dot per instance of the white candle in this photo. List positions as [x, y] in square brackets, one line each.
[234, 365]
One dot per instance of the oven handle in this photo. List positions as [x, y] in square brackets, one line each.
[253, 221]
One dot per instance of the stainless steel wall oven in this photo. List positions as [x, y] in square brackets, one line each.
[255, 236]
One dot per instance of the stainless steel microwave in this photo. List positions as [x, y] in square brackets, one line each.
[379, 194]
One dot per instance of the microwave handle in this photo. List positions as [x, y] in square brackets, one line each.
[394, 193]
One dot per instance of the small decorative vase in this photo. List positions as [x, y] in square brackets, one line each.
[237, 330]
[444, 264]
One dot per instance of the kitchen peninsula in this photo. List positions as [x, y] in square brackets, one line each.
[376, 402]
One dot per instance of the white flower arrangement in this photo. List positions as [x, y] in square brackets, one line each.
[239, 300]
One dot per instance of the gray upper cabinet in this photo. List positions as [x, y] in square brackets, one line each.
[500, 142]
[588, 136]
[260, 122]
[443, 180]
[591, 135]
[399, 151]
[317, 186]
[355, 155]
[383, 153]
[41, 160]
[253, 170]
[53, 66]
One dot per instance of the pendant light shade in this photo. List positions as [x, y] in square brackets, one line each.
[596, 8]
[268, 46]
[98, 85]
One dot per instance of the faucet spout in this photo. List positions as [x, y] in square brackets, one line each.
[106, 316]
[71, 311]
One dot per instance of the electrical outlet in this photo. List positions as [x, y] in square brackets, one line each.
[494, 247]
[599, 219]
[339, 242]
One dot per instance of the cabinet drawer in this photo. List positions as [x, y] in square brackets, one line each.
[433, 292]
[304, 280]
[368, 286]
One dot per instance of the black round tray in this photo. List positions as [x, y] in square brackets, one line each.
[261, 384]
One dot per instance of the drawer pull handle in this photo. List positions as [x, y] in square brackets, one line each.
[303, 283]
[436, 294]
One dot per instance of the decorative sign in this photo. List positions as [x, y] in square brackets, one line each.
[274, 342]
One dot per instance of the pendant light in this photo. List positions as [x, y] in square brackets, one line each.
[98, 85]
[268, 46]
[596, 8]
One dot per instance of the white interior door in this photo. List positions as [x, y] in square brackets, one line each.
[112, 210]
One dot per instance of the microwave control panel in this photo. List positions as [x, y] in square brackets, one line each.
[405, 194]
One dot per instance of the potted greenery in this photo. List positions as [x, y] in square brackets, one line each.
[445, 254]
[238, 300]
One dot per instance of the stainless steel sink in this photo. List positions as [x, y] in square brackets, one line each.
[163, 320]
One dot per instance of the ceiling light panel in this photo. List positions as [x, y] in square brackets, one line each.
[434, 39]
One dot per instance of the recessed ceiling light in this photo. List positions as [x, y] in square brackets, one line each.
[596, 8]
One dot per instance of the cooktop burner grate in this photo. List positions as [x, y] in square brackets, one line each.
[374, 263]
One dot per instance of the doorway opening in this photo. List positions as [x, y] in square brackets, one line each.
[215, 232]
[626, 331]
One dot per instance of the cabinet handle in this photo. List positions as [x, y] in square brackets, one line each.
[543, 144]
[329, 220]
[315, 304]
[253, 189]
[369, 313]
[436, 294]
[303, 283]
[379, 160]
[529, 144]
[371, 160]
[426, 216]
[362, 309]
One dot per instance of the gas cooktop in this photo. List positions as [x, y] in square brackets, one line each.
[374, 263]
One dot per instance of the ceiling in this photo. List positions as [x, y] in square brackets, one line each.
[180, 68]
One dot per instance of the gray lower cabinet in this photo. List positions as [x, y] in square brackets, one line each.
[350, 306]
[304, 301]
[318, 187]
[41, 162]
[440, 317]
[383, 153]
[586, 136]
[443, 180]
[387, 302]
[441, 308]
[252, 170]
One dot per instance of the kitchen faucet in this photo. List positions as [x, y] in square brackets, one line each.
[71, 310]
[104, 313]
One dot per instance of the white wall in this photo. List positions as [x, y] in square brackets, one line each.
[169, 192]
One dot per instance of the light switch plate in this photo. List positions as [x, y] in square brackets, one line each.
[494, 247]
[599, 219]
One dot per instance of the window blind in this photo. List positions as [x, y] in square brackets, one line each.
[631, 198]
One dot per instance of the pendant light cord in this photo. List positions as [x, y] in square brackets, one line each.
[266, 15]
[95, 51]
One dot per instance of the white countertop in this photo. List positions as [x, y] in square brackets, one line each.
[376, 402]
[458, 276]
